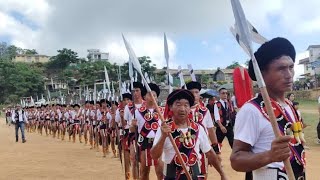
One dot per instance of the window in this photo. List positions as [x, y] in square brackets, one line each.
[28, 58]
[37, 58]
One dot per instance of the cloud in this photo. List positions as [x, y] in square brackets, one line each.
[204, 43]
[82, 25]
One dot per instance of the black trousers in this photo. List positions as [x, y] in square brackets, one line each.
[318, 130]
[229, 135]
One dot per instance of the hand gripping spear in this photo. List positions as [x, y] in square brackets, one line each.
[137, 66]
[246, 39]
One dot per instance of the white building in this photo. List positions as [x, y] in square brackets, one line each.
[309, 63]
[96, 55]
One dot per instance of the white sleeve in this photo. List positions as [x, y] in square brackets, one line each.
[204, 141]
[127, 115]
[25, 118]
[118, 118]
[216, 112]
[207, 120]
[157, 136]
[246, 127]
[12, 116]
[99, 115]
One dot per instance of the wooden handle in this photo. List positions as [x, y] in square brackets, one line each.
[275, 128]
[184, 167]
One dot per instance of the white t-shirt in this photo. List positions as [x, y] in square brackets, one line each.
[109, 118]
[128, 116]
[253, 128]
[118, 117]
[319, 100]
[207, 120]
[216, 110]
[168, 152]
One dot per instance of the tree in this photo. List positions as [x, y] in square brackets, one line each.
[8, 52]
[30, 51]
[233, 65]
[146, 66]
[19, 80]
[62, 60]
[204, 78]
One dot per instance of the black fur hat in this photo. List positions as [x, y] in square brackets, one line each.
[270, 51]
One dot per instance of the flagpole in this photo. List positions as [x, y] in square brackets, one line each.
[138, 68]
[241, 23]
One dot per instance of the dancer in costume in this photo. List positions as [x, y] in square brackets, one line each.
[255, 147]
[47, 120]
[112, 126]
[124, 132]
[200, 114]
[97, 128]
[189, 136]
[92, 118]
[63, 121]
[77, 117]
[104, 125]
[138, 91]
[148, 121]
[86, 125]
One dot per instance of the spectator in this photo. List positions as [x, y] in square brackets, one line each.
[19, 118]
[291, 97]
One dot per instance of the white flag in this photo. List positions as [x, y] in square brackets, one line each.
[52, 83]
[180, 74]
[106, 77]
[147, 77]
[132, 55]
[193, 77]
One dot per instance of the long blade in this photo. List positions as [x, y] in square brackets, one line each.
[193, 77]
[241, 25]
[130, 69]
[256, 36]
[113, 98]
[180, 74]
[237, 37]
[132, 55]
[166, 50]
[107, 77]
[120, 83]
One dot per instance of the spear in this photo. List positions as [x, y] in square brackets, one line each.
[137, 66]
[120, 83]
[193, 76]
[136, 135]
[180, 74]
[245, 37]
[166, 55]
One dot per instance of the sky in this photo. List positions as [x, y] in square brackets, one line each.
[197, 31]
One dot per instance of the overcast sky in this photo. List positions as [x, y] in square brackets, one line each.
[197, 31]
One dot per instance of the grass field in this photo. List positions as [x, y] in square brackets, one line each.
[309, 111]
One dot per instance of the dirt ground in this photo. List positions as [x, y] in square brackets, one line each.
[47, 158]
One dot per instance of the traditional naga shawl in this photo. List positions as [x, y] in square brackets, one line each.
[151, 120]
[199, 113]
[287, 126]
[186, 144]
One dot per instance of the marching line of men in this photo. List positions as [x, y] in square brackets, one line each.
[135, 125]
[132, 124]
